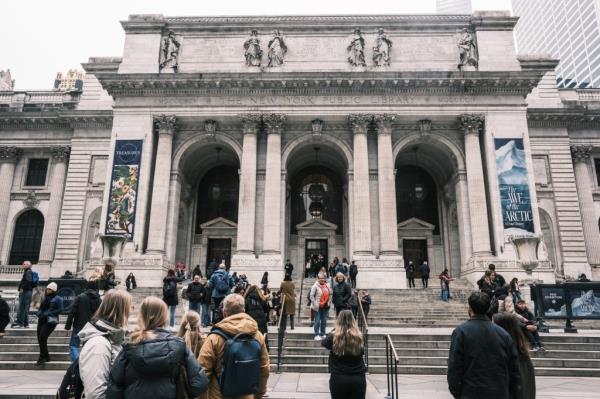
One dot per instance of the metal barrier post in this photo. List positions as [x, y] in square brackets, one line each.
[280, 336]
[391, 366]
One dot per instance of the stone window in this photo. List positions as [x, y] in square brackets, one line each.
[36, 172]
[540, 170]
[27, 238]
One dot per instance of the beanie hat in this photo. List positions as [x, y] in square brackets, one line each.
[52, 286]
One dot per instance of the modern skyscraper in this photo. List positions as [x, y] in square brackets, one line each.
[453, 7]
[566, 29]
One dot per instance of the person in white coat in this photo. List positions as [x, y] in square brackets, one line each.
[102, 340]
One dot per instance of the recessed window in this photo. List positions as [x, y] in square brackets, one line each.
[36, 172]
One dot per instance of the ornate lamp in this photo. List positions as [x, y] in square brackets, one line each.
[316, 209]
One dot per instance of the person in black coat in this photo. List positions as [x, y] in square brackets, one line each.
[288, 268]
[424, 270]
[170, 295]
[341, 294]
[83, 308]
[4, 316]
[130, 282]
[353, 270]
[197, 271]
[48, 314]
[195, 293]
[257, 307]
[483, 362]
[211, 268]
[410, 274]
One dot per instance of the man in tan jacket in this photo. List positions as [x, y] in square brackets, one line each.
[235, 321]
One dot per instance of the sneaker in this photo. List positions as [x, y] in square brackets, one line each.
[40, 362]
[317, 337]
[16, 326]
[541, 348]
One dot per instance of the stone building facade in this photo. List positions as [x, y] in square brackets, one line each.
[379, 139]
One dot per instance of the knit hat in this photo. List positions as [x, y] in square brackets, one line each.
[52, 286]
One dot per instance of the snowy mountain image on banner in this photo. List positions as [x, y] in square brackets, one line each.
[511, 164]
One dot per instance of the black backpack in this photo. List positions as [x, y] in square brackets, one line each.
[240, 366]
[170, 289]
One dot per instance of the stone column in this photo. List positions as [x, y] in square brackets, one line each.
[247, 199]
[361, 205]
[165, 126]
[472, 126]
[463, 216]
[60, 157]
[8, 159]
[388, 226]
[581, 158]
[272, 215]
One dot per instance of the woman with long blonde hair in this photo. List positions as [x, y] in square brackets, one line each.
[190, 332]
[346, 365]
[149, 365]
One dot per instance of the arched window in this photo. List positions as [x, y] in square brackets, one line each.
[27, 238]
[218, 195]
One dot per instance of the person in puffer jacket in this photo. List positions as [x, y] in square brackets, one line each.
[102, 339]
[149, 365]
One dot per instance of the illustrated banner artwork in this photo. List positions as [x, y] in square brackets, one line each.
[554, 302]
[123, 188]
[515, 197]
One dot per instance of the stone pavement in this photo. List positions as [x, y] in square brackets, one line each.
[43, 384]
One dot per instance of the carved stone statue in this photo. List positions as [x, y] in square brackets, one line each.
[277, 50]
[253, 53]
[467, 50]
[382, 49]
[356, 49]
[169, 52]
[6, 81]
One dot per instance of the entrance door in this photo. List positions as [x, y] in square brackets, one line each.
[314, 248]
[219, 249]
[415, 251]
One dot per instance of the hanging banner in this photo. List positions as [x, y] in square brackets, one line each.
[515, 197]
[120, 219]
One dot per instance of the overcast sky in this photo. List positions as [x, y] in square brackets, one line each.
[42, 37]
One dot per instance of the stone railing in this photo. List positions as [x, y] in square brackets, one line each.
[11, 269]
[16, 99]
[588, 94]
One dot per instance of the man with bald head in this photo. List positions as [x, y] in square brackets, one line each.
[26, 287]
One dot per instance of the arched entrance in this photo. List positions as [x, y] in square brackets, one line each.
[27, 237]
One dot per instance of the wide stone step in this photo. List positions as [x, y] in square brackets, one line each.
[32, 356]
[28, 365]
[53, 348]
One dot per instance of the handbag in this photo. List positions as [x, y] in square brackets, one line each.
[183, 389]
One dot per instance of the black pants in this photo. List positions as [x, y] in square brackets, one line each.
[284, 321]
[411, 282]
[533, 337]
[3, 323]
[353, 281]
[425, 281]
[43, 332]
[347, 386]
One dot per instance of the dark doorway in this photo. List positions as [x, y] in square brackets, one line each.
[27, 238]
[219, 249]
[415, 251]
[314, 248]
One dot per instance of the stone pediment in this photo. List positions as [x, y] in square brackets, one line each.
[415, 224]
[219, 223]
[316, 224]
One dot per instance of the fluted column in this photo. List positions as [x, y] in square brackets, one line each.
[362, 205]
[165, 126]
[472, 125]
[247, 199]
[581, 158]
[463, 216]
[8, 159]
[272, 215]
[60, 158]
[388, 228]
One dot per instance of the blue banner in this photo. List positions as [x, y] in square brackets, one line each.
[513, 180]
[122, 202]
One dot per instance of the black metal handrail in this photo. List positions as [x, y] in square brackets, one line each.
[280, 335]
[391, 368]
[364, 329]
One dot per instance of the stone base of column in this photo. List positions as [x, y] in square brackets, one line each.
[595, 273]
[149, 270]
[383, 272]
[255, 266]
[475, 268]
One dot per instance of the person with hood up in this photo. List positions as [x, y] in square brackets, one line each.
[235, 322]
[102, 339]
[341, 294]
[48, 314]
[83, 308]
[410, 274]
[150, 363]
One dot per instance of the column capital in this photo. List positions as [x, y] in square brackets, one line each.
[274, 123]
[250, 123]
[581, 153]
[165, 124]
[60, 154]
[472, 123]
[360, 122]
[10, 154]
[384, 123]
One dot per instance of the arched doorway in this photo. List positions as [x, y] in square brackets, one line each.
[27, 237]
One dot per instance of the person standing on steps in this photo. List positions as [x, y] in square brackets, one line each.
[29, 281]
[195, 292]
[341, 294]
[220, 284]
[321, 297]
[445, 284]
[425, 270]
[410, 274]
[4, 316]
[83, 308]
[205, 303]
[257, 307]
[264, 283]
[170, 295]
[288, 268]
[197, 271]
[288, 291]
[365, 301]
[48, 315]
[353, 271]
[346, 365]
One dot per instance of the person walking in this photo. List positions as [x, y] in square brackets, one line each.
[353, 271]
[205, 303]
[526, 389]
[83, 308]
[410, 274]
[211, 267]
[26, 286]
[264, 283]
[307, 268]
[150, 364]
[321, 298]
[195, 292]
[341, 294]
[196, 272]
[212, 355]
[256, 305]
[424, 270]
[220, 284]
[170, 295]
[346, 366]
[4, 316]
[190, 332]
[48, 317]
[288, 291]
[102, 339]
[130, 282]
[365, 301]
[353, 303]
[483, 361]
[345, 268]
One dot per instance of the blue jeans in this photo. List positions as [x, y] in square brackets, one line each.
[321, 321]
[205, 314]
[172, 310]
[445, 294]
[74, 346]
[24, 304]
[195, 306]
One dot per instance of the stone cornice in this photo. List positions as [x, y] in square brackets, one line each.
[571, 118]
[55, 120]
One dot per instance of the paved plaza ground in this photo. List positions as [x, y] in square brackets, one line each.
[42, 384]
